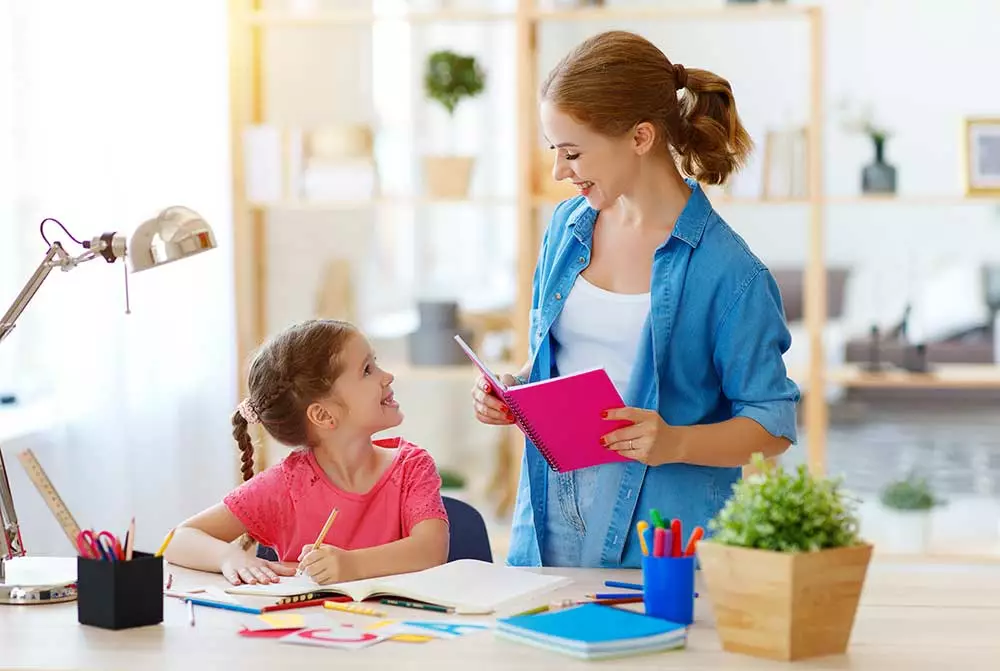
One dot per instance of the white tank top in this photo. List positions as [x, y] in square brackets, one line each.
[599, 328]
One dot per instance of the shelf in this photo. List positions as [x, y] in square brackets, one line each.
[405, 372]
[831, 201]
[348, 18]
[749, 12]
[941, 376]
[389, 201]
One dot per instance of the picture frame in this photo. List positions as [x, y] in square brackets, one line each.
[982, 156]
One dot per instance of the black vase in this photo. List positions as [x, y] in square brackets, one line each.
[879, 176]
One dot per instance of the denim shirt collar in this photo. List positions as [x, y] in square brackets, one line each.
[689, 227]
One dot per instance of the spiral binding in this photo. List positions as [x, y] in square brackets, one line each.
[531, 434]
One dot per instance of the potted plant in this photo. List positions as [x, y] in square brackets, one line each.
[878, 177]
[449, 79]
[908, 503]
[784, 566]
[452, 483]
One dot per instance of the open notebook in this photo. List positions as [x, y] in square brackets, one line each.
[469, 586]
[561, 416]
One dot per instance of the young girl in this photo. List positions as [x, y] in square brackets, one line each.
[317, 387]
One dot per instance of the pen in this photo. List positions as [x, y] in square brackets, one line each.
[611, 595]
[415, 604]
[622, 585]
[223, 605]
[190, 612]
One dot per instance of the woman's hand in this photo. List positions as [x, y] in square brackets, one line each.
[326, 564]
[488, 406]
[649, 439]
[240, 566]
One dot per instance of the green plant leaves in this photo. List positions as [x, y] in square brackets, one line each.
[450, 77]
[785, 511]
[912, 493]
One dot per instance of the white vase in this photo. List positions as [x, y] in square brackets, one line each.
[905, 531]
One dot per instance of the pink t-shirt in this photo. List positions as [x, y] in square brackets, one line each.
[286, 505]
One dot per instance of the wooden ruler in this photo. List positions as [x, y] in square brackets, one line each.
[51, 496]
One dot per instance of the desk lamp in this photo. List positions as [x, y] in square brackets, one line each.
[175, 233]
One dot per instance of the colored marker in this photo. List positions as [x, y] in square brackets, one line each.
[641, 527]
[675, 530]
[657, 520]
[659, 541]
[693, 541]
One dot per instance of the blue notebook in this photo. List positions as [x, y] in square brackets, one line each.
[592, 631]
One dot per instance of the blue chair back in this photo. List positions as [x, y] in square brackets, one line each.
[469, 538]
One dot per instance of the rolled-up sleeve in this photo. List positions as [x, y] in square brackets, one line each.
[750, 344]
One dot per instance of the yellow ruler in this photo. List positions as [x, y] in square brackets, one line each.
[51, 496]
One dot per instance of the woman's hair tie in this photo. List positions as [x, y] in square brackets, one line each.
[680, 76]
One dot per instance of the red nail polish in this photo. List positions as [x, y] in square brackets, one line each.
[604, 414]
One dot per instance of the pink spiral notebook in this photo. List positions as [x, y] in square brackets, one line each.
[562, 415]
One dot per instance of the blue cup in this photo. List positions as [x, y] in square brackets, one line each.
[668, 588]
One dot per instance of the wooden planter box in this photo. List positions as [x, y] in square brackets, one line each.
[784, 606]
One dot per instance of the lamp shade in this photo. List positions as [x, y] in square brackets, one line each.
[175, 233]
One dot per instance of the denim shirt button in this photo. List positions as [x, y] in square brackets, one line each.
[582, 259]
[558, 296]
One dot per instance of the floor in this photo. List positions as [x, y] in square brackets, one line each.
[956, 447]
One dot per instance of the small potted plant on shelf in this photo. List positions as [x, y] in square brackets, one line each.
[907, 503]
[452, 483]
[449, 79]
[784, 565]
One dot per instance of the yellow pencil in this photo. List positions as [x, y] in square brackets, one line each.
[353, 608]
[326, 528]
[166, 542]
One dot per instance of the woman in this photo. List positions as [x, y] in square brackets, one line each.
[640, 275]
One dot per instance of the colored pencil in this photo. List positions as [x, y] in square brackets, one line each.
[353, 608]
[693, 541]
[418, 605]
[223, 605]
[166, 542]
[130, 540]
[326, 528]
[622, 585]
[614, 602]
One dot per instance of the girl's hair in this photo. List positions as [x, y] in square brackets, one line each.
[287, 374]
[617, 79]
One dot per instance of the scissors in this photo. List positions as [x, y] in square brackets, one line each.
[103, 545]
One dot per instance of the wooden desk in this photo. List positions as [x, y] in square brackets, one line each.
[913, 616]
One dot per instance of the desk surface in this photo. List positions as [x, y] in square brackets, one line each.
[913, 616]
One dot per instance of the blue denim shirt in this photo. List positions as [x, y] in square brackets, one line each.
[711, 349]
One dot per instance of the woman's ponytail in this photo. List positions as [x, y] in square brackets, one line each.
[711, 141]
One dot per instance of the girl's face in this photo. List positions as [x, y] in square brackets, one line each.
[600, 167]
[363, 392]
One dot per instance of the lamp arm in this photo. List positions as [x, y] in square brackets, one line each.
[56, 257]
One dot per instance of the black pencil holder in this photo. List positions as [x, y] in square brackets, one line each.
[120, 594]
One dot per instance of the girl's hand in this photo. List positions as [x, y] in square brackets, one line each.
[488, 406]
[649, 439]
[240, 566]
[326, 564]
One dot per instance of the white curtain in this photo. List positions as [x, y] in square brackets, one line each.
[120, 108]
